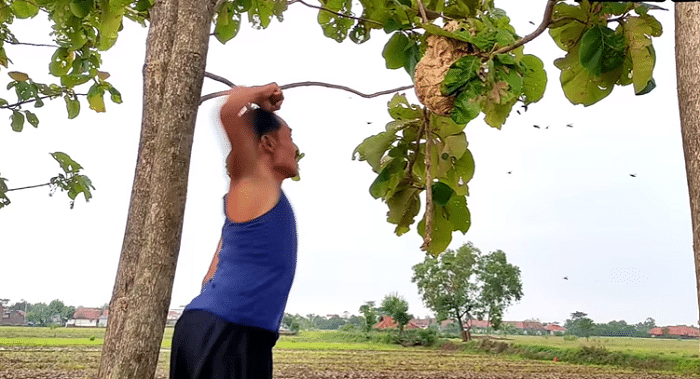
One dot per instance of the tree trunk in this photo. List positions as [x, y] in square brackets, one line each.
[177, 44]
[688, 82]
[465, 333]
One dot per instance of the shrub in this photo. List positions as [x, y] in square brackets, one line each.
[570, 337]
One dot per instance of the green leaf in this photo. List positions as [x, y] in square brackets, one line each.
[650, 86]
[393, 52]
[17, 121]
[459, 214]
[95, 98]
[73, 107]
[568, 30]
[617, 8]
[23, 9]
[115, 96]
[534, 78]
[61, 61]
[66, 162]
[404, 205]
[372, 149]
[336, 27]
[74, 80]
[387, 180]
[31, 117]
[228, 23]
[18, 76]
[579, 85]
[359, 33]
[601, 50]
[485, 39]
[412, 56]
[436, 30]
[110, 22]
[456, 145]
[442, 231]
[465, 109]
[81, 8]
[444, 126]
[495, 114]
[391, 25]
[260, 13]
[401, 109]
[464, 169]
[461, 71]
[441, 193]
[640, 49]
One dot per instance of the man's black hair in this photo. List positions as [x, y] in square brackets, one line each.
[263, 122]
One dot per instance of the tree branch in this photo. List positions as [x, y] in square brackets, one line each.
[28, 187]
[219, 79]
[27, 43]
[334, 12]
[10, 106]
[429, 204]
[546, 20]
[313, 84]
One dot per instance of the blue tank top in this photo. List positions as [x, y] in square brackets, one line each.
[256, 268]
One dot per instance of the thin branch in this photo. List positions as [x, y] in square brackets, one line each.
[546, 20]
[334, 12]
[317, 84]
[335, 86]
[219, 79]
[27, 43]
[422, 11]
[429, 203]
[10, 106]
[28, 187]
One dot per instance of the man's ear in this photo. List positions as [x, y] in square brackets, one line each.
[268, 143]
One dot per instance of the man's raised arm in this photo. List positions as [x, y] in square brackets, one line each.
[238, 126]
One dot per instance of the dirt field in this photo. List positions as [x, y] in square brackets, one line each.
[82, 362]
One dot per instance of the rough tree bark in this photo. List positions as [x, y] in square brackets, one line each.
[177, 44]
[688, 82]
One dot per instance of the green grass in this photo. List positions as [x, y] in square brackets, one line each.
[669, 355]
[35, 342]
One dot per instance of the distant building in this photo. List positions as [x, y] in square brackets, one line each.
[387, 322]
[173, 316]
[87, 317]
[10, 317]
[554, 328]
[675, 331]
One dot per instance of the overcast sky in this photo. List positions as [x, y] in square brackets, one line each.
[569, 208]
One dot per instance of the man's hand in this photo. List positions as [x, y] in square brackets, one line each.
[270, 97]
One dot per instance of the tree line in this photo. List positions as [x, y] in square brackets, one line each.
[42, 314]
[582, 326]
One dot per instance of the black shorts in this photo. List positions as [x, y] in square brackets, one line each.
[207, 346]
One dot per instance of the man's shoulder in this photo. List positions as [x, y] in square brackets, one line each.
[251, 197]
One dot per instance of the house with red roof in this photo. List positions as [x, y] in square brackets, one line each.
[86, 317]
[10, 317]
[387, 322]
[554, 329]
[675, 331]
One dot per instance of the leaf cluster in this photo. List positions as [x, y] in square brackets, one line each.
[599, 57]
[227, 22]
[398, 155]
[71, 180]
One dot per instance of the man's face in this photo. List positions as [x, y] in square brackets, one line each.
[286, 154]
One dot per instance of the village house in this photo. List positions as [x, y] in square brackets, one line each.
[554, 329]
[87, 317]
[681, 331]
[10, 317]
[387, 322]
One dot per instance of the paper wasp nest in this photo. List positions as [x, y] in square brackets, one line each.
[431, 69]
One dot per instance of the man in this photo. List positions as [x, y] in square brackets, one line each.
[228, 331]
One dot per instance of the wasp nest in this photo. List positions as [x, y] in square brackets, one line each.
[441, 53]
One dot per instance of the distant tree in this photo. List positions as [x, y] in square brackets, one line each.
[462, 283]
[579, 325]
[369, 313]
[39, 314]
[397, 307]
[500, 285]
[644, 327]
